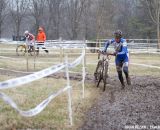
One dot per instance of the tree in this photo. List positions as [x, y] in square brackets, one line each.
[54, 18]
[73, 16]
[139, 23]
[105, 14]
[123, 13]
[88, 22]
[18, 10]
[154, 11]
[37, 9]
[3, 5]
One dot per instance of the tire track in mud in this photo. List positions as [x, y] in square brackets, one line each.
[136, 105]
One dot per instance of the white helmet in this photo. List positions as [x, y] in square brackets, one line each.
[26, 32]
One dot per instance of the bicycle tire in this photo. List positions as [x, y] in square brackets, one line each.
[102, 73]
[33, 51]
[99, 71]
[21, 50]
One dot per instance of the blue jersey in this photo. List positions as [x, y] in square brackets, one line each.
[120, 48]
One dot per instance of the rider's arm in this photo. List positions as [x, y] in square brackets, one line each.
[106, 44]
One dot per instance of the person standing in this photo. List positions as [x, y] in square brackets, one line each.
[40, 39]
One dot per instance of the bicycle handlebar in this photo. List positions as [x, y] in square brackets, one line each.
[105, 53]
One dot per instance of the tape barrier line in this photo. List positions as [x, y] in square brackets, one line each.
[5, 57]
[145, 65]
[16, 71]
[77, 61]
[29, 78]
[38, 108]
[139, 52]
[73, 64]
[35, 76]
[24, 61]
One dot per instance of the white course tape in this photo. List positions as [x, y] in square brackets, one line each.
[38, 108]
[77, 61]
[29, 78]
[150, 66]
[16, 71]
[141, 52]
[5, 57]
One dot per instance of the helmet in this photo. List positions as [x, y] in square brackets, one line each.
[118, 34]
[26, 32]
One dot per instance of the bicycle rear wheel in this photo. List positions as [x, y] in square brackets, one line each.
[21, 50]
[33, 51]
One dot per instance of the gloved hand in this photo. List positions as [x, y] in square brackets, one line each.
[99, 51]
[103, 51]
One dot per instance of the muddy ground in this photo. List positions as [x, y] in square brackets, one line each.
[135, 107]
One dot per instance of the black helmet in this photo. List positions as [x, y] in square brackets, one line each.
[118, 34]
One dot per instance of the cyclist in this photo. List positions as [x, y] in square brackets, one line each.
[41, 38]
[121, 56]
[30, 39]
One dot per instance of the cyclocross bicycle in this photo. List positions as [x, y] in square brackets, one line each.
[21, 50]
[102, 68]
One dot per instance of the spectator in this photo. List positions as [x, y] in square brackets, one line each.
[41, 38]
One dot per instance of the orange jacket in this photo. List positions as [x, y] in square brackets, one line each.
[41, 36]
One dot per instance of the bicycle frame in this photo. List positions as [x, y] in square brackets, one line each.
[102, 70]
[24, 48]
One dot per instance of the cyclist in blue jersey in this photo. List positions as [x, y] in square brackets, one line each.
[121, 56]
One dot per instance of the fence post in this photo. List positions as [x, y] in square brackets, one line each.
[83, 71]
[61, 50]
[69, 92]
[27, 57]
[34, 57]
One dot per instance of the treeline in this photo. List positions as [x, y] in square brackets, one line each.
[80, 19]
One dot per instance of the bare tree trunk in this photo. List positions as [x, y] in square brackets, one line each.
[154, 11]
[3, 4]
[158, 36]
[99, 19]
[18, 10]
[55, 11]
[37, 12]
[74, 11]
[158, 33]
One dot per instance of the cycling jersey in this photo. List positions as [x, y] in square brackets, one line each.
[120, 48]
[30, 39]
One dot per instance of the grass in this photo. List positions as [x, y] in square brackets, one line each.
[55, 115]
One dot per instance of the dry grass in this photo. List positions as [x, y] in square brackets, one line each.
[55, 115]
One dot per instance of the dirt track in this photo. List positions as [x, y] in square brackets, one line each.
[136, 106]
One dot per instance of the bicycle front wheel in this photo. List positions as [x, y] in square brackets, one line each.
[21, 50]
